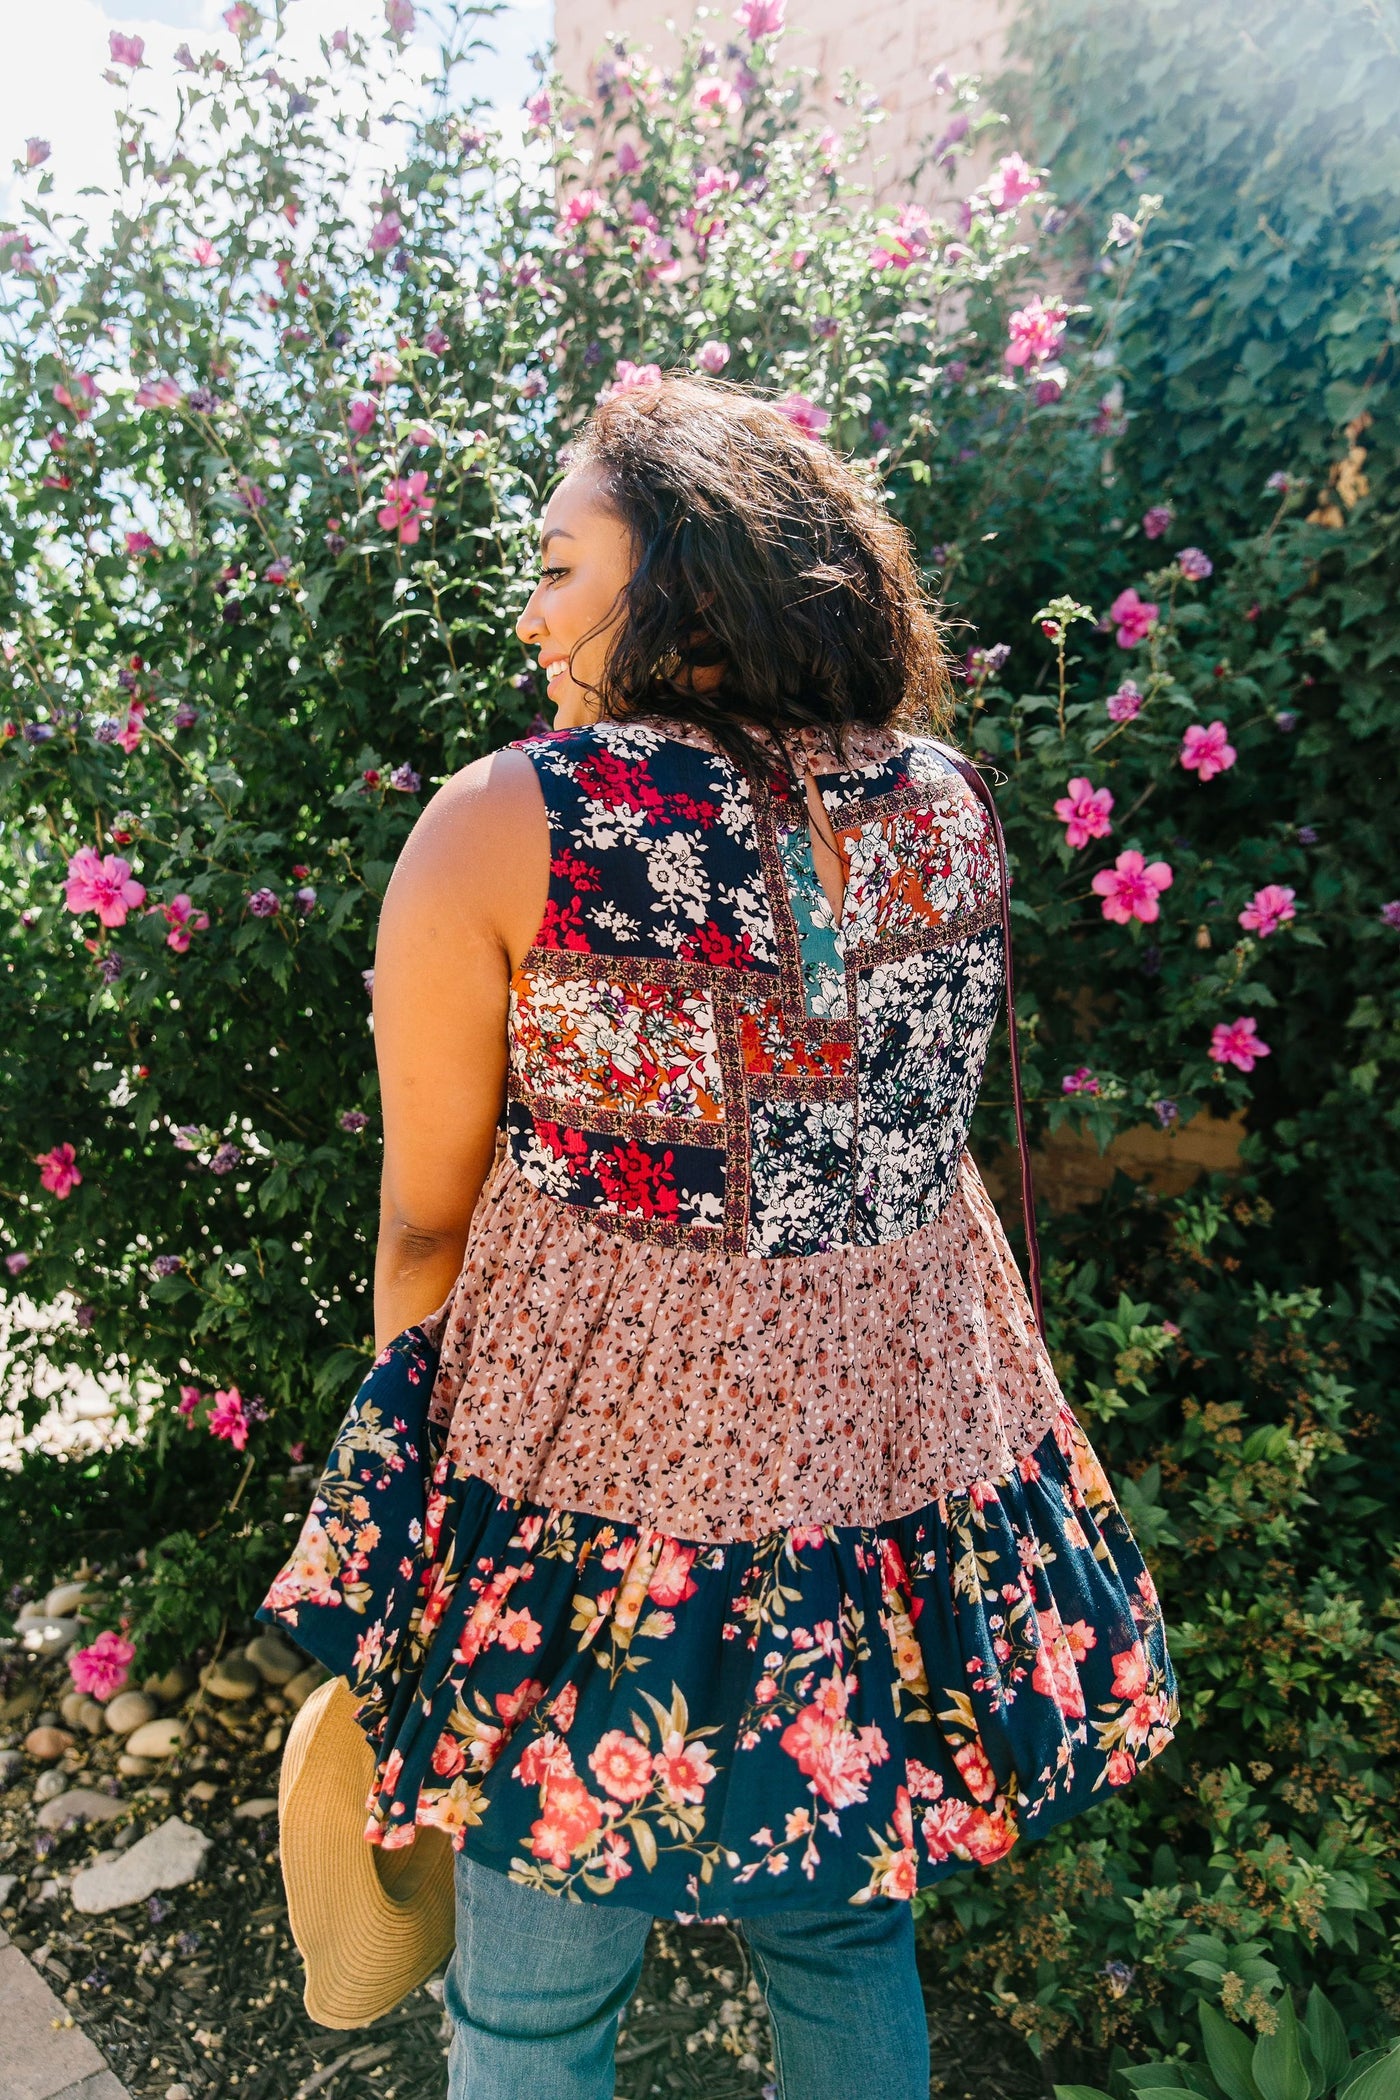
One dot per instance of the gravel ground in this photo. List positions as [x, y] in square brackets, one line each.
[197, 1992]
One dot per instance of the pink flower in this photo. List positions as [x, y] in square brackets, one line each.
[1131, 887]
[1206, 752]
[714, 99]
[1079, 1081]
[129, 735]
[385, 233]
[203, 252]
[103, 885]
[159, 393]
[1237, 1043]
[684, 1769]
[1036, 331]
[1084, 812]
[36, 152]
[240, 19]
[126, 50]
[1268, 909]
[1012, 184]
[277, 571]
[384, 368]
[899, 244]
[803, 414]
[101, 1669]
[760, 17]
[435, 341]
[189, 1401]
[621, 1765]
[362, 415]
[228, 1419]
[1126, 703]
[539, 108]
[1194, 565]
[629, 160]
[628, 377]
[406, 505]
[400, 17]
[58, 1171]
[581, 207]
[712, 356]
[78, 396]
[1156, 520]
[1134, 618]
[139, 544]
[251, 494]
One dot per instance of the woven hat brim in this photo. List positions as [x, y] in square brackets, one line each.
[370, 1926]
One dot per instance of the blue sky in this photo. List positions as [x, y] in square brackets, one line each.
[52, 85]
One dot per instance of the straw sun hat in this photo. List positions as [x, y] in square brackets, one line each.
[370, 1925]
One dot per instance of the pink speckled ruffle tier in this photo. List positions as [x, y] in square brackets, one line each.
[724, 1397]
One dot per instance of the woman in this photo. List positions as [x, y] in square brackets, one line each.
[765, 1574]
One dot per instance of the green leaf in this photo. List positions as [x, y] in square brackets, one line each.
[1328, 2038]
[1079, 2092]
[1279, 2070]
[1228, 2053]
[1380, 2082]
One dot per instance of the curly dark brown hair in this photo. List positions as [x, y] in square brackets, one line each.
[762, 553]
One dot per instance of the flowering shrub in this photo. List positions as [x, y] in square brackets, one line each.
[273, 458]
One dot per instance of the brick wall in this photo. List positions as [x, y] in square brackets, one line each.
[893, 45]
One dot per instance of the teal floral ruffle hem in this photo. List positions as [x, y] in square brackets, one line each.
[830, 1713]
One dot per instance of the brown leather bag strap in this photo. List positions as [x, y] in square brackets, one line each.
[984, 795]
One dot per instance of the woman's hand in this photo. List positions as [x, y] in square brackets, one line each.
[464, 904]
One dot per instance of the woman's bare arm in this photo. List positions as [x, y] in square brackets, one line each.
[466, 899]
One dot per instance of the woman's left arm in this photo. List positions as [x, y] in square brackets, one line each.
[465, 882]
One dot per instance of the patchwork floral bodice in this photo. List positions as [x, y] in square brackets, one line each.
[701, 1053]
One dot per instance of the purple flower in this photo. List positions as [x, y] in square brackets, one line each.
[1278, 483]
[368, 976]
[1156, 520]
[1166, 1113]
[165, 1265]
[17, 1263]
[225, 1159]
[110, 966]
[156, 1911]
[186, 1136]
[85, 1316]
[1194, 565]
[186, 716]
[354, 1120]
[304, 899]
[523, 681]
[405, 780]
[37, 732]
[1390, 916]
[1125, 703]
[1307, 835]
[202, 400]
[263, 904]
[985, 663]
[106, 729]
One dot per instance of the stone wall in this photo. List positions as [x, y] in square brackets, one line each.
[893, 45]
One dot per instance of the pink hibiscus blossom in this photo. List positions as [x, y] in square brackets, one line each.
[1080, 1081]
[1084, 812]
[1126, 704]
[1036, 331]
[1207, 751]
[104, 885]
[1013, 182]
[1268, 909]
[159, 393]
[406, 505]
[362, 415]
[126, 50]
[58, 1171]
[77, 395]
[804, 414]
[101, 1670]
[1131, 887]
[228, 1418]
[714, 99]
[386, 233]
[627, 377]
[1156, 520]
[1237, 1043]
[1133, 617]
[400, 17]
[203, 253]
[36, 152]
[712, 356]
[183, 920]
[581, 207]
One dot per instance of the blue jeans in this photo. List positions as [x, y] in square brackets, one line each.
[537, 1986]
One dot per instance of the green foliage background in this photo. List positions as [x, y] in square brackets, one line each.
[1232, 1349]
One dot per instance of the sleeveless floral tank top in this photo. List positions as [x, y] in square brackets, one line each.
[725, 1543]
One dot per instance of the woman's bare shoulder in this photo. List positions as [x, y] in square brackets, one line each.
[480, 851]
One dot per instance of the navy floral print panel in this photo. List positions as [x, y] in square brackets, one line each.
[700, 1053]
[830, 1713]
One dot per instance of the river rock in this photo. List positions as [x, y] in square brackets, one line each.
[257, 1810]
[50, 1783]
[232, 1677]
[48, 1637]
[66, 1600]
[46, 1744]
[274, 1661]
[129, 1710]
[27, 1700]
[158, 1738]
[71, 1707]
[166, 1858]
[171, 1686]
[301, 1688]
[32, 1614]
[202, 1790]
[11, 1764]
[79, 1804]
[92, 1715]
[135, 1767]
